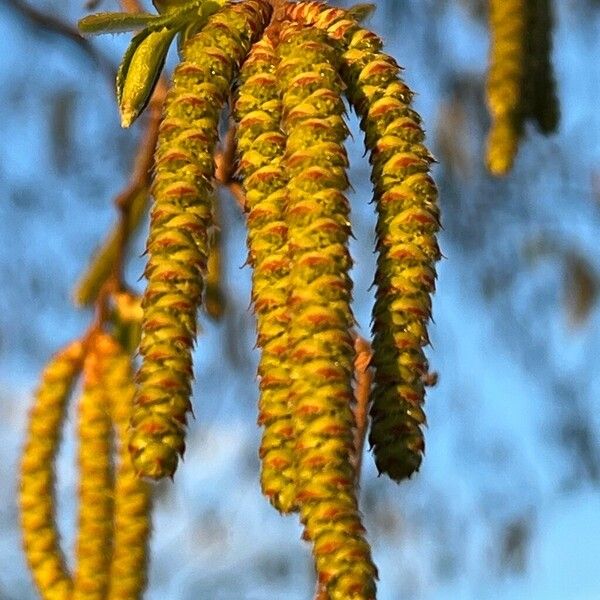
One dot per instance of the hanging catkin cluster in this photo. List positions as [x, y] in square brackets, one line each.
[287, 68]
[113, 513]
[520, 83]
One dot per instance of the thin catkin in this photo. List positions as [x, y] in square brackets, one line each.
[261, 146]
[178, 241]
[36, 484]
[406, 200]
[505, 86]
[132, 496]
[93, 547]
[320, 344]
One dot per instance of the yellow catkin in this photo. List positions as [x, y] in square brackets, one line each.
[320, 345]
[505, 82]
[408, 219]
[36, 490]
[261, 146]
[132, 499]
[95, 519]
[177, 244]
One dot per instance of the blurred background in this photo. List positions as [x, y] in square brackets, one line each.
[507, 503]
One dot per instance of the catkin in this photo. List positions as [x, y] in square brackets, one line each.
[261, 145]
[178, 241]
[320, 344]
[93, 546]
[132, 498]
[36, 485]
[406, 199]
[505, 86]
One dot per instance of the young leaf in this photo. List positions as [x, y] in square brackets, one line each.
[140, 71]
[118, 22]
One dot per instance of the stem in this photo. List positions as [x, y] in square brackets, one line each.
[53, 25]
[224, 167]
[364, 379]
[140, 179]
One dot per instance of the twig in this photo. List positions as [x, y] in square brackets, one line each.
[142, 166]
[53, 25]
[224, 162]
[131, 6]
[141, 174]
[92, 4]
[364, 380]
[139, 180]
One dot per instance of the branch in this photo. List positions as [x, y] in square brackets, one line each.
[52, 25]
[140, 180]
[224, 167]
[141, 175]
[131, 6]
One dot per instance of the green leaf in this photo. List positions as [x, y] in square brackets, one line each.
[118, 22]
[140, 71]
[127, 57]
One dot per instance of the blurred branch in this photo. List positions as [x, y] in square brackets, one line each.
[106, 269]
[55, 26]
[131, 6]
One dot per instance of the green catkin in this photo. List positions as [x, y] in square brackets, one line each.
[544, 107]
[178, 241]
[406, 199]
[36, 485]
[93, 546]
[320, 344]
[132, 497]
[261, 146]
[505, 86]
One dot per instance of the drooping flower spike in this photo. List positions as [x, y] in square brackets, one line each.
[320, 343]
[520, 82]
[132, 498]
[178, 241]
[261, 146]
[406, 200]
[506, 82]
[93, 547]
[36, 485]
